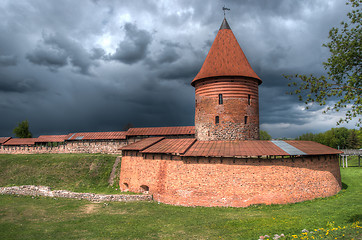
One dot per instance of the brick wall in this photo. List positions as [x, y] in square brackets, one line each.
[230, 181]
[239, 101]
[104, 146]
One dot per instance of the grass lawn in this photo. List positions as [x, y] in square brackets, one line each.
[73, 172]
[47, 218]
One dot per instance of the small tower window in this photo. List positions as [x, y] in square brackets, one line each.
[220, 99]
[246, 119]
[248, 99]
[217, 120]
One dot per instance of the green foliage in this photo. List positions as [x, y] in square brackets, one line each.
[341, 138]
[22, 130]
[127, 126]
[73, 172]
[352, 141]
[49, 218]
[264, 135]
[343, 80]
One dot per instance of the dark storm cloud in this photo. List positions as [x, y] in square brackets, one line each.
[8, 60]
[168, 55]
[51, 58]
[133, 48]
[183, 70]
[275, 8]
[18, 85]
[97, 53]
[156, 50]
[55, 50]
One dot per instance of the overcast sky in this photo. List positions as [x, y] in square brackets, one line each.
[73, 66]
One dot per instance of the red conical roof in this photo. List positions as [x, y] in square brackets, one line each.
[225, 58]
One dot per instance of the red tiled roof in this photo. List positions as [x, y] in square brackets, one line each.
[313, 148]
[142, 144]
[161, 131]
[96, 136]
[51, 138]
[251, 148]
[4, 139]
[234, 148]
[20, 142]
[175, 146]
[225, 58]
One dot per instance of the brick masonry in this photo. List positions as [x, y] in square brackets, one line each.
[82, 146]
[31, 190]
[239, 101]
[234, 182]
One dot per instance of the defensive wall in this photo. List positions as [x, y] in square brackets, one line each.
[181, 179]
[109, 147]
[89, 142]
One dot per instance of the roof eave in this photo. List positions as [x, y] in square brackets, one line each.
[221, 76]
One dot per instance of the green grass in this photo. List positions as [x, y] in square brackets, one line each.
[73, 172]
[353, 161]
[47, 218]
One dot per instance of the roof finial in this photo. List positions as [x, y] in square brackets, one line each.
[224, 9]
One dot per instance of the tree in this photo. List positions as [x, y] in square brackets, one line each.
[341, 138]
[306, 137]
[22, 130]
[264, 135]
[128, 126]
[343, 80]
[352, 140]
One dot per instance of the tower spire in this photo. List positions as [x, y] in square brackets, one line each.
[225, 58]
[224, 25]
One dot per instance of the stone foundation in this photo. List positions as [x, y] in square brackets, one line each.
[31, 190]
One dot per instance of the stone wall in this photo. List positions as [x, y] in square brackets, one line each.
[31, 190]
[234, 182]
[111, 147]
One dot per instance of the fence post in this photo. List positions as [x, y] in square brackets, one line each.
[343, 161]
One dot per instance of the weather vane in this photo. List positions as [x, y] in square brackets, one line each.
[224, 9]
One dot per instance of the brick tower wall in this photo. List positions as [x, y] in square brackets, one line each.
[240, 103]
[235, 182]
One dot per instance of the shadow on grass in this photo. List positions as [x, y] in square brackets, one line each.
[344, 186]
[355, 218]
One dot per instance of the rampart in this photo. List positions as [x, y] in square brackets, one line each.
[234, 182]
[111, 147]
[89, 142]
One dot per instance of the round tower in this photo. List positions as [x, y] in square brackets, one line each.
[226, 92]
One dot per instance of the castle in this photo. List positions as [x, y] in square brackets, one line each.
[225, 164]
[217, 162]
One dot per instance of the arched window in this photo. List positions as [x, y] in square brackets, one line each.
[249, 98]
[220, 99]
[246, 119]
[217, 120]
